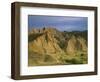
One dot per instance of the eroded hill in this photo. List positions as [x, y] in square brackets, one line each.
[48, 46]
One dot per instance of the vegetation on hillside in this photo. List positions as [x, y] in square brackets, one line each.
[49, 46]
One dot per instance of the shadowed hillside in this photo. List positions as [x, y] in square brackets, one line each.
[49, 46]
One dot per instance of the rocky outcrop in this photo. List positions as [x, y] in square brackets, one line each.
[52, 44]
[45, 43]
[76, 44]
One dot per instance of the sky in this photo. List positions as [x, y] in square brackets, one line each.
[62, 23]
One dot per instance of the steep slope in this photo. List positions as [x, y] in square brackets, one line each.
[48, 46]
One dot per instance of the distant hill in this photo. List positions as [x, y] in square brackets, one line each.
[48, 46]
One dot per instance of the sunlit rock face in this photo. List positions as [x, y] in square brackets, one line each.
[48, 46]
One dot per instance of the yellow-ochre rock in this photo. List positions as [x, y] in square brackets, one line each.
[48, 46]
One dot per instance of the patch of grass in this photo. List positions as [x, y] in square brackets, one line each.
[48, 58]
[78, 58]
[74, 61]
[35, 59]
